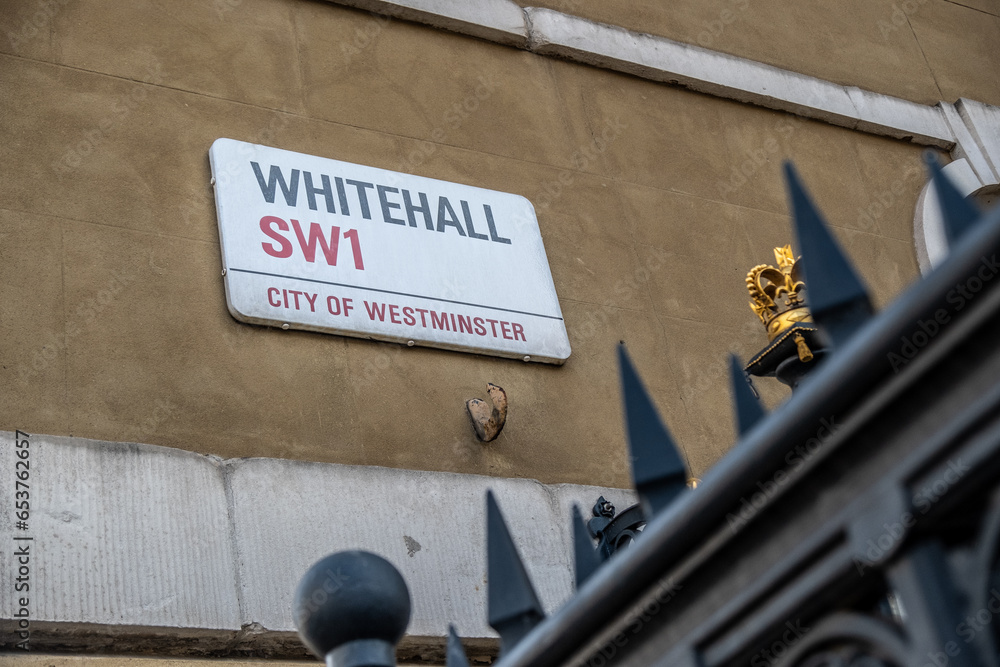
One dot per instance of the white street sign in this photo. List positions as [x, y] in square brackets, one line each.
[323, 245]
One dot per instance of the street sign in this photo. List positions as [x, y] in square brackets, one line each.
[322, 245]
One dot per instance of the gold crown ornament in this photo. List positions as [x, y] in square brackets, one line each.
[776, 293]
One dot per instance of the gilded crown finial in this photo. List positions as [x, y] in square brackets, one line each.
[784, 257]
[776, 294]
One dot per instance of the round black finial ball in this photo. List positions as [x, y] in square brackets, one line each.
[348, 596]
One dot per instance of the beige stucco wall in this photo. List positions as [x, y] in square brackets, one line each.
[115, 324]
[920, 50]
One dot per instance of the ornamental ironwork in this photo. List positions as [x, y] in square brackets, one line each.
[858, 524]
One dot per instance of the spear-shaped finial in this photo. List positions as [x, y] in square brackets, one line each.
[658, 471]
[455, 656]
[837, 297]
[958, 213]
[585, 555]
[513, 608]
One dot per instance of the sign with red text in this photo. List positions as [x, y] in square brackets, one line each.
[322, 245]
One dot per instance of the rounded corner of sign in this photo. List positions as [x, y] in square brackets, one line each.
[557, 357]
[562, 358]
[531, 206]
[221, 141]
[237, 315]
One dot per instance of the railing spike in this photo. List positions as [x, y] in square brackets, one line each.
[836, 295]
[747, 407]
[513, 607]
[658, 471]
[958, 213]
[455, 656]
[585, 555]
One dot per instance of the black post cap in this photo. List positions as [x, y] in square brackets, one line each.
[351, 608]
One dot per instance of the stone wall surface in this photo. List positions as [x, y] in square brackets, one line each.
[429, 525]
[120, 534]
[653, 202]
[156, 540]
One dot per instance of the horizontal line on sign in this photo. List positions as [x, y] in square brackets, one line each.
[386, 291]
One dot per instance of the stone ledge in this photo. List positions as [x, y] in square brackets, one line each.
[553, 33]
[34, 659]
[430, 525]
[732, 77]
[494, 20]
[139, 548]
[199, 644]
[124, 534]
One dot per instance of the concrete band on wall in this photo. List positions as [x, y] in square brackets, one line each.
[969, 129]
[139, 548]
[549, 32]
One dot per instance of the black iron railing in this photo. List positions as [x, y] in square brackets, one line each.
[857, 524]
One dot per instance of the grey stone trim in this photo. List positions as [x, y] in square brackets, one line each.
[148, 539]
[549, 32]
[123, 534]
[983, 123]
[731, 77]
[494, 20]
